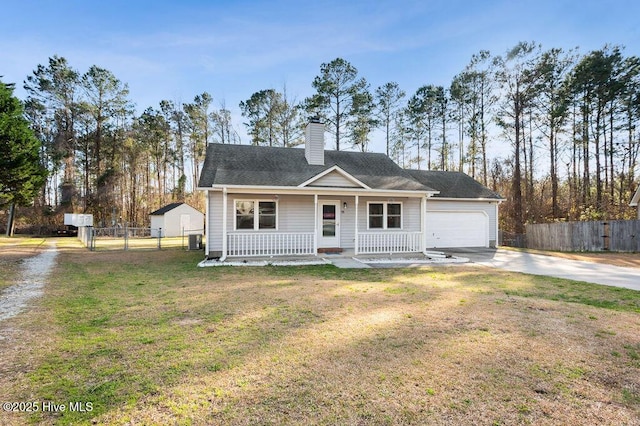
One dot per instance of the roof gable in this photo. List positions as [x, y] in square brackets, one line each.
[165, 209]
[172, 206]
[334, 177]
[636, 198]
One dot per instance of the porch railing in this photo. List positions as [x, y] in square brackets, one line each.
[270, 244]
[389, 242]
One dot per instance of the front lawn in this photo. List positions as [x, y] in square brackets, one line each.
[148, 338]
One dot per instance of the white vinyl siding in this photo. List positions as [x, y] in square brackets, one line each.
[295, 213]
[410, 214]
[314, 143]
[214, 221]
[334, 179]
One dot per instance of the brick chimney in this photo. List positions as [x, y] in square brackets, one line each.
[314, 142]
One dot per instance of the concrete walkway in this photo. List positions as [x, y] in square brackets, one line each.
[591, 272]
[346, 262]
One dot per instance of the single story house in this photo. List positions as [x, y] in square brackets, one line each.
[267, 201]
[174, 219]
[635, 201]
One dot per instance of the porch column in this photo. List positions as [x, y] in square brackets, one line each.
[423, 224]
[315, 225]
[224, 224]
[356, 233]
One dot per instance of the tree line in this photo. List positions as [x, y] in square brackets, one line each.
[106, 160]
[563, 122]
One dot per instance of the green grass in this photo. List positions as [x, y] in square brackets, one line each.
[147, 243]
[148, 337]
[557, 289]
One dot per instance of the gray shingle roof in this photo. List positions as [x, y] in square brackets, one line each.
[163, 210]
[453, 184]
[267, 166]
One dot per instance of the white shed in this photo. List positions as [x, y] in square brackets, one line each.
[635, 201]
[175, 218]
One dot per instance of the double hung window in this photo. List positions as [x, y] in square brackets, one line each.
[384, 215]
[256, 214]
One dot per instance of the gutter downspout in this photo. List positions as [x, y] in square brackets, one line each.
[206, 227]
[423, 224]
[224, 225]
[497, 243]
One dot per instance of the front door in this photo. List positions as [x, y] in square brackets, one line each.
[329, 226]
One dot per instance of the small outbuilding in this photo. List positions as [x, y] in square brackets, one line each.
[635, 201]
[175, 218]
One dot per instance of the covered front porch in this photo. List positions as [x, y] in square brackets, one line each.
[306, 243]
[306, 223]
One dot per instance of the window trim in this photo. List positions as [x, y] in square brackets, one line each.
[385, 216]
[256, 214]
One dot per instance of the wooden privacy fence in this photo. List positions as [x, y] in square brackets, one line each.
[612, 235]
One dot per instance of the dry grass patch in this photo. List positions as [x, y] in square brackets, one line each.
[149, 339]
[12, 252]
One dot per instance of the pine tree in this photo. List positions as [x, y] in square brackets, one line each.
[21, 174]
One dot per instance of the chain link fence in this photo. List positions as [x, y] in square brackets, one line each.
[133, 238]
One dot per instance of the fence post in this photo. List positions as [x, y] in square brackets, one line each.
[92, 237]
[126, 236]
[605, 237]
[159, 236]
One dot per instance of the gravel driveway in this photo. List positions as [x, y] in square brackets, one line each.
[597, 273]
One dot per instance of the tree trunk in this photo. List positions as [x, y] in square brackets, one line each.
[483, 135]
[530, 183]
[611, 151]
[517, 177]
[586, 182]
[337, 123]
[598, 167]
[554, 176]
[10, 220]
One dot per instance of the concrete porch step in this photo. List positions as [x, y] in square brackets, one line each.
[330, 250]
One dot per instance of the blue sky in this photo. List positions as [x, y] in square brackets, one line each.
[231, 49]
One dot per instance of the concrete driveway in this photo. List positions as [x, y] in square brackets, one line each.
[551, 266]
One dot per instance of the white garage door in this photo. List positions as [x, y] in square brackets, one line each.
[457, 229]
